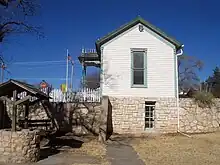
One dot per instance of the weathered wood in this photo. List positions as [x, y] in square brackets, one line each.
[1, 114]
[26, 113]
[34, 102]
[4, 98]
[26, 98]
[14, 111]
[35, 123]
[48, 107]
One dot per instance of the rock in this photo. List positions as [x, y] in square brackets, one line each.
[15, 149]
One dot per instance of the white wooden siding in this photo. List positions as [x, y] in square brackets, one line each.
[117, 65]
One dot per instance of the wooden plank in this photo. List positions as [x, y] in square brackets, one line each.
[26, 113]
[1, 114]
[34, 102]
[36, 125]
[4, 98]
[26, 98]
[39, 124]
[36, 121]
[14, 111]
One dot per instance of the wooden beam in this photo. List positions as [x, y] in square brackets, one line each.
[14, 111]
[26, 98]
[26, 115]
[34, 102]
[4, 98]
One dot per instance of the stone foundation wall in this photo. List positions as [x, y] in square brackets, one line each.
[128, 115]
[195, 119]
[84, 118]
[72, 117]
[19, 147]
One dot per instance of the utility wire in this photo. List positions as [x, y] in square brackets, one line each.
[37, 62]
[28, 78]
[39, 66]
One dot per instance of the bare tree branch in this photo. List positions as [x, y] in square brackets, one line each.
[11, 23]
[188, 67]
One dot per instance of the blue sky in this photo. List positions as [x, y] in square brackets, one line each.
[77, 24]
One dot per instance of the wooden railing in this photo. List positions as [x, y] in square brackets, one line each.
[83, 95]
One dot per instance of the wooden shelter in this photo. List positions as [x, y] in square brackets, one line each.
[9, 92]
[88, 58]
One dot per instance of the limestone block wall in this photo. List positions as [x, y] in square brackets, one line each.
[166, 115]
[128, 115]
[84, 118]
[195, 119]
[70, 116]
[19, 147]
[37, 112]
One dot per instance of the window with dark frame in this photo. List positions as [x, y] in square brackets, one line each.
[138, 68]
[149, 114]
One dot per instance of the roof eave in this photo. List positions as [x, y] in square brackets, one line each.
[125, 27]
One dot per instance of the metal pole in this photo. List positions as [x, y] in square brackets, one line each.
[71, 77]
[67, 54]
[14, 111]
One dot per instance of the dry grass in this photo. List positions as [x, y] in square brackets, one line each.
[95, 149]
[101, 163]
[92, 148]
[201, 149]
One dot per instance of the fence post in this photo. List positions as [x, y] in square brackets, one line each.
[104, 115]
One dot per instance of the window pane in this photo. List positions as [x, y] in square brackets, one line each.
[138, 77]
[147, 124]
[147, 114]
[138, 59]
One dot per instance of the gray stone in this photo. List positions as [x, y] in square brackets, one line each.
[15, 149]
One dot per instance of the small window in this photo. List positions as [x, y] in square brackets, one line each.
[138, 68]
[149, 114]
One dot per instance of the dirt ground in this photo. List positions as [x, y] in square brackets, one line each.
[93, 149]
[71, 150]
[200, 149]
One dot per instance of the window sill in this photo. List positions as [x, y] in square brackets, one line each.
[150, 129]
[138, 86]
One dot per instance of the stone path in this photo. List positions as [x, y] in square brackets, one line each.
[119, 152]
[69, 159]
[65, 159]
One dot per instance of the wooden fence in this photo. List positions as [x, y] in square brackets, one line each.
[82, 95]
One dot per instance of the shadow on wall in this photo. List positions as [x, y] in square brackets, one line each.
[79, 118]
[109, 121]
[57, 113]
[5, 121]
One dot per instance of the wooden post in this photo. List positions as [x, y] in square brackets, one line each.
[26, 113]
[1, 114]
[14, 111]
[83, 73]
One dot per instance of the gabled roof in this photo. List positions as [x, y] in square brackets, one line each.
[11, 85]
[129, 25]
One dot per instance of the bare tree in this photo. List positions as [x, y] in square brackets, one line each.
[188, 67]
[14, 17]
